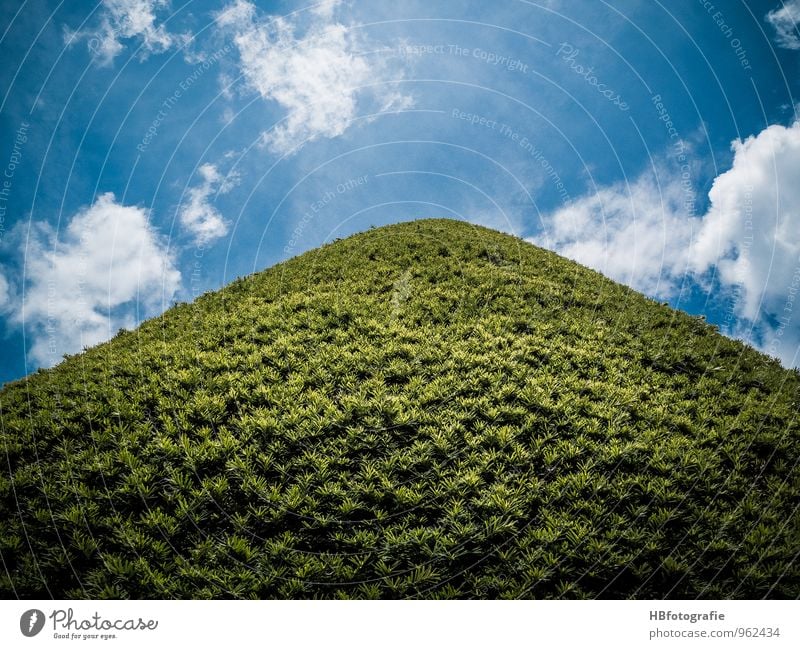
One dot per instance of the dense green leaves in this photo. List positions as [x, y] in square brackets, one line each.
[425, 410]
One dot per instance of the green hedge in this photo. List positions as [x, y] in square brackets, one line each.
[430, 409]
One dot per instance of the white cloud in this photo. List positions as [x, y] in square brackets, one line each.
[637, 234]
[751, 235]
[309, 65]
[198, 215]
[785, 20]
[751, 232]
[124, 19]
[326, 8]
[240, 13]
[106, 270]
[749, 238]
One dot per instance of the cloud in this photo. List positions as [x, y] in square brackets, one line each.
[311, 67]
[751, 235]
[637, 234]
[747, 243]
[107, 269]
[197, 214]
[326, 8]
[125, 19]
[785, 20]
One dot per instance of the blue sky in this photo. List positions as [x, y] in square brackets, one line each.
[154, 150]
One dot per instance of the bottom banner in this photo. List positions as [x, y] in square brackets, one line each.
[379, 624]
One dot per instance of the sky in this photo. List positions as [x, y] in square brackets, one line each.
[151, 151]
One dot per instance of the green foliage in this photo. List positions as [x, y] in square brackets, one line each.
[430, 409]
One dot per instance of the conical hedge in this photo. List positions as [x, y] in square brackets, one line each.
[425, 410]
